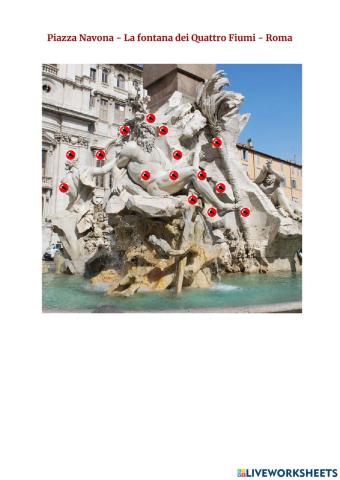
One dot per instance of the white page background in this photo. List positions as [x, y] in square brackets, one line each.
[167, 397]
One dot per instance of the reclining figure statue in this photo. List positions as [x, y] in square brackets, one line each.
[270, 182]
[142, 154]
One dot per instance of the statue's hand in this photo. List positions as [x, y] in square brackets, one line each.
[269, 166]
[231, 207]
[117, 189]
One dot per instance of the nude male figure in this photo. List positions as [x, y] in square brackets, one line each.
[269, 182]
[142, 154]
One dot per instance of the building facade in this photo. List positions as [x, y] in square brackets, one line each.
[82, 108]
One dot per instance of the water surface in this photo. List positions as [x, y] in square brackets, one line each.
[72, 293]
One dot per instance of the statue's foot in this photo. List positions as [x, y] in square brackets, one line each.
[162, 194]
[154, 190]
[297, 218]
[228, 207]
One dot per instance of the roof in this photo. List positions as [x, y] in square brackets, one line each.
[289, 162]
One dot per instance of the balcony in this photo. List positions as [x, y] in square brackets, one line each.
[47, 182]
[50, 69]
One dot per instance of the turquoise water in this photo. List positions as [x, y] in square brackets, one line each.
[70, 292]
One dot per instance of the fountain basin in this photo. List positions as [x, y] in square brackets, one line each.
[235, 292]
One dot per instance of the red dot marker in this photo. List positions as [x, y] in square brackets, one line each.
[177, 154]
[202, 175]
[63, 187]
[216, 142]
[125, 130]
[192, 199]
[71, 154]
[220, 187]
[145, 175]
[174, 175]
[245, 212]
[211, 212]
[163, 130]
[150, 118]
[100, 154]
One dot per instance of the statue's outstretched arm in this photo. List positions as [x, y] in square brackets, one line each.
[105, 169]
[279, 178]
[262, 175]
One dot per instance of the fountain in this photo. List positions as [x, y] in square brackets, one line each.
[181, 211]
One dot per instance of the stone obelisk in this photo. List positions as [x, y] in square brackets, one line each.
[162, 80]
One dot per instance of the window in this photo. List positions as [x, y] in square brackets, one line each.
[93, 74]
[258, 162]
[293, 183]
[44, 161]
[282, 167]
[135, 85]
[245, 155]
[283, 182]
[103, 109]
[121, 81]
[119, 112]
[46, 88]
[105, 76]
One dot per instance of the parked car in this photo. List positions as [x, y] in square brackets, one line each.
[52, 250]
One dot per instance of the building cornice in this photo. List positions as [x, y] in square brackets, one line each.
[47, 107]
[131, 67]
[288, 162]
[109, 96]
[76, 84]
[68, 81]
[46, 138]
[134, 68]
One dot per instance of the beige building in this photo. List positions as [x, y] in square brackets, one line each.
[253, 160]
[82, 108]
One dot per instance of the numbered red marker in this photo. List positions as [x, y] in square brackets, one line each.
[216, 142]
[71, 154]
[163, 130]
[202, 175]
[220, 187]
[245, 212]
[150, 118]
[100, 154]
[211, 212]
[192, 199]
[145, 175]
[177, 154]
[63, 187]
[174, 175]
[125, 130]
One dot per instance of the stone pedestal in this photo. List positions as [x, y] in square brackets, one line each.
[161, 81]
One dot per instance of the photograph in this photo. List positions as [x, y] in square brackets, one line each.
[171, 188]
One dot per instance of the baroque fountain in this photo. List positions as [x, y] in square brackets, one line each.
[182, 211]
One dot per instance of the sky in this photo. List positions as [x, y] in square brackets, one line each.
[273, 97]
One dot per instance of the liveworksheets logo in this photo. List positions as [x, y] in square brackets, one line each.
[288, 472]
